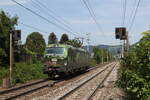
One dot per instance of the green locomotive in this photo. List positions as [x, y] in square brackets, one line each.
[62, 59]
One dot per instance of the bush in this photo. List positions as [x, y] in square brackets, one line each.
[3, 73]
[25, 72]
[93, 62]
[134, 75]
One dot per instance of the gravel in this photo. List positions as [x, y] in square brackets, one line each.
[58, 92]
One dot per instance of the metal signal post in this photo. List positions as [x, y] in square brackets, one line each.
[88, 41]
[11, 61]
[122, 34]
[15, 36]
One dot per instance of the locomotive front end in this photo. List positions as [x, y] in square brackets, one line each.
[55, 60]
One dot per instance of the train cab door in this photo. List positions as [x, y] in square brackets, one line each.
[70, 58]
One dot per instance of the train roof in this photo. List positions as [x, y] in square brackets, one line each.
[66, 46]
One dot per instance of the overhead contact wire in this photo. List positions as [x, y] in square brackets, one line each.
[40, 5]
[29, 26]
[93, 16]
[134, 16]
[43, 17]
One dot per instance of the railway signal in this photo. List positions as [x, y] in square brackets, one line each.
[15, 36]
[120, 33]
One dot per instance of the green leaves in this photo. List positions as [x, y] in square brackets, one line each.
[101, 55]
[135, 74]
[35, 43]
[25, 72]
[52, 38]
[64, 39]
[74, 43]
[6, 23]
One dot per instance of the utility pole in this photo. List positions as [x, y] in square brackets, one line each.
[15, 36]
[88, 41]
[102, 57]
[126, 44]
[82, 39]
[108, 55]
[11, 60]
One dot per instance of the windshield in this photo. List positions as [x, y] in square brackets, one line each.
[55, 50]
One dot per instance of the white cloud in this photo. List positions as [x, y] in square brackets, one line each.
[10, 2]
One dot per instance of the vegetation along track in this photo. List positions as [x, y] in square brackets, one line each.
[59, 92]
[25, 89]
[73, 94]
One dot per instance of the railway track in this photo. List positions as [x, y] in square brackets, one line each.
[63, 91]
[16, 92]
[68, 95]
[27, 89]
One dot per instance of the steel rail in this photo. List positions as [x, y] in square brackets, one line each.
[22, 86]
[27, 86]
[26, 89]
[73, 90]
[100, 84]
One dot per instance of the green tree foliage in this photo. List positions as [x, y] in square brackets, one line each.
[64, 38]
[97, 55]
[101, 55]
[35, 43]
[6, 24]
[52, 38]
[135, 74]
[75, 43]
[24, 72]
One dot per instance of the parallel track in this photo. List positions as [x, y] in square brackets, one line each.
[25, 89]
[79, 86]
[100, 84]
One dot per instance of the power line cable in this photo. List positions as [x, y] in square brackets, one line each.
[90, 8]
[132, 12]
[93, 15]
[53, 12]
[58, 26]
[29, 26]
[124, 12]
[40, 6]
[134, 16]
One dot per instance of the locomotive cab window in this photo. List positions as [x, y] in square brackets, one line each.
[55, 50]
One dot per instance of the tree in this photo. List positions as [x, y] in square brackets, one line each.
[52, 38]
[35, 43]
[6, 24]
[64, 38]
[75, 43]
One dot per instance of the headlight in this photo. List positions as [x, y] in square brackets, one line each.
[65, 63]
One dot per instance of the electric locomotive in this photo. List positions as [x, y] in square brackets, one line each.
[62, 59]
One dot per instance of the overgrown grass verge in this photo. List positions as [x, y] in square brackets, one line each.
[3, 73]
[93, 62]
[23, 72]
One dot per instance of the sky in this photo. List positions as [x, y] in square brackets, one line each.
[108, 14]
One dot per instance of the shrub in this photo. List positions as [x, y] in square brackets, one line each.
[134, 75]
[25, 72]
[3, 73]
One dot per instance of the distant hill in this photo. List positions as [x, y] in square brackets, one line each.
[114, 49]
